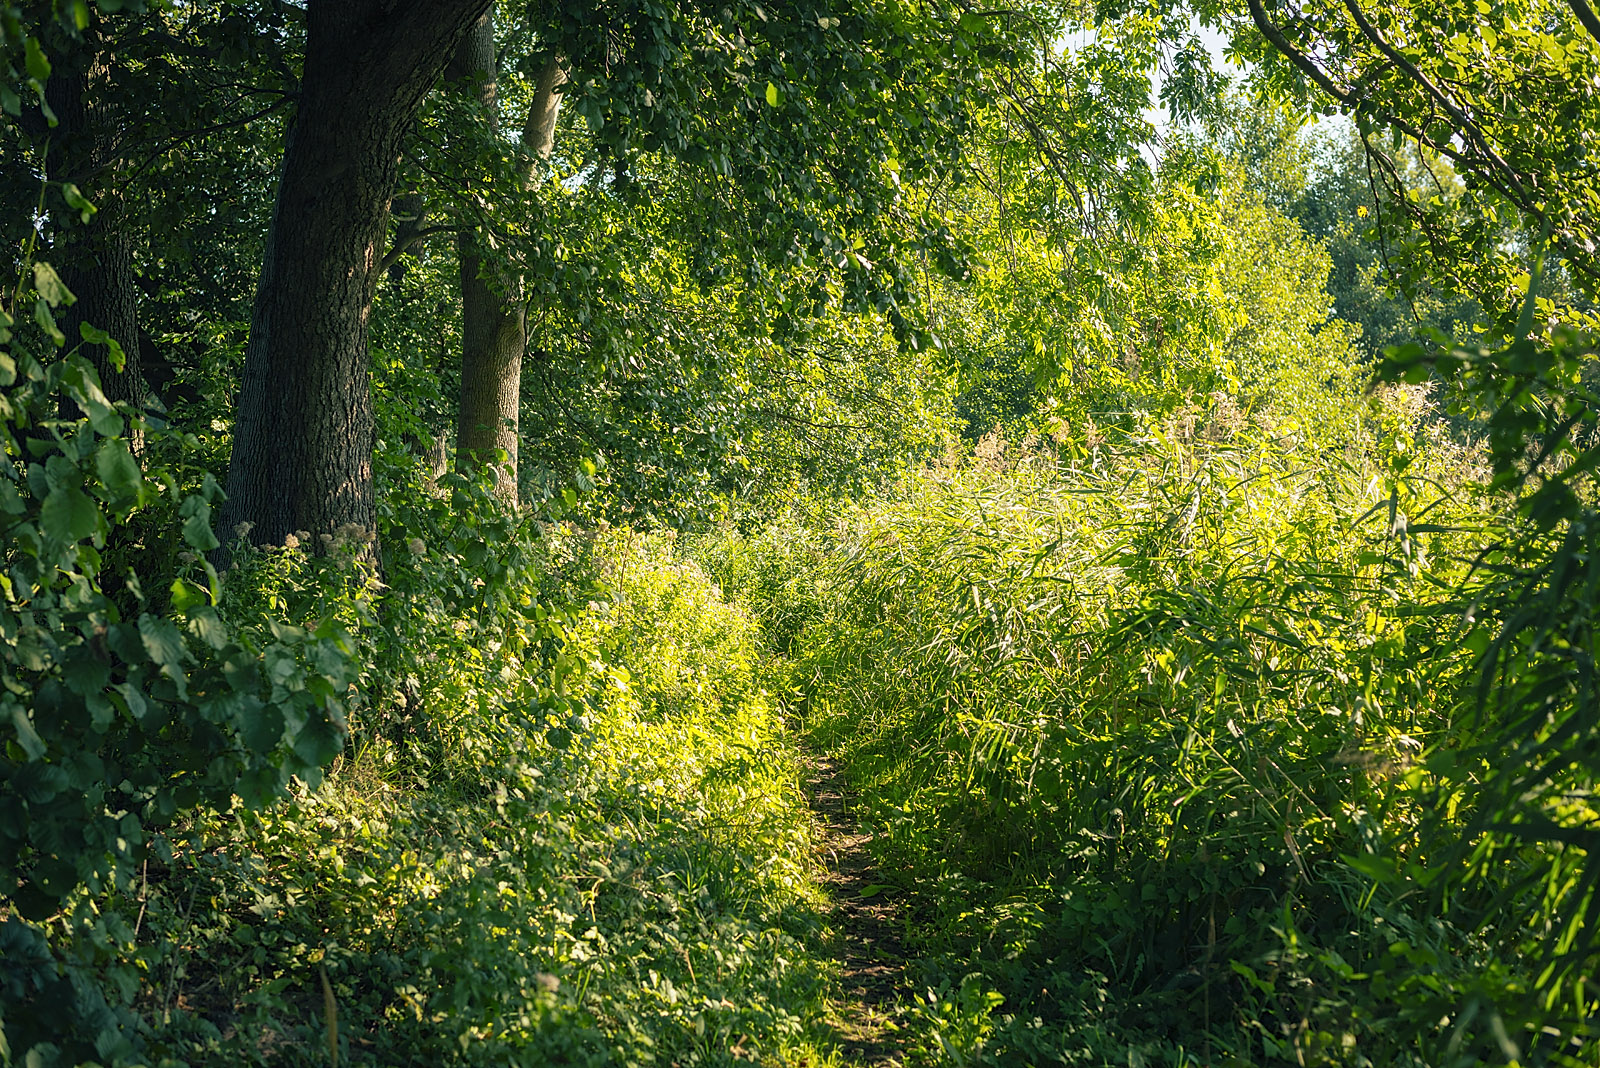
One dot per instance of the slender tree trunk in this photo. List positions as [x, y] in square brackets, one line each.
[494, 325]
[95, 259]
[493, 329]
[302, 450]
[539, 135]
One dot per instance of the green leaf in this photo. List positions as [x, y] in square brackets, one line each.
[38, 65]
[161, 640]
[83, 387]
[164, 645]
[205, 625]
[197, 524]
[132, 699]
[85, 673]
[56, 877]
[185, 595]
[49, 285]
[94, 336]
[287, 633]
[1378, 869]
[29, 738]
[77, 201]
[318, 742]
[118, 470]
[69, 515]
[1248, 974]
[261, 725]
[772, 94]
[47, 323]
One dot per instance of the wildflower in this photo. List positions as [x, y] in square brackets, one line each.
[242, 530]
[291, 542]
[354, 533]
[547, 982]
[417, 546]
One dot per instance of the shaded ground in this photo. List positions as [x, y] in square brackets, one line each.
[867, 920]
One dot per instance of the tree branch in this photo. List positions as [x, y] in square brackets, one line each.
[1586, 16]
[1482, 161]
[1467, 125]
[392, 257]
[174, 140]
[1307, 67]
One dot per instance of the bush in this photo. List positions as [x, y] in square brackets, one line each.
[129, 702]
[625, 882]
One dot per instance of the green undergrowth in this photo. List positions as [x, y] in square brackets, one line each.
[627, 882]
[1139, 733]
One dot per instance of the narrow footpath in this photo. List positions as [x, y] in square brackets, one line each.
[867, 923]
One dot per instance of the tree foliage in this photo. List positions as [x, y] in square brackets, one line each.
[1203, 693]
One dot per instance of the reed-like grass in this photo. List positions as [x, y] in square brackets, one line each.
[1141, 732]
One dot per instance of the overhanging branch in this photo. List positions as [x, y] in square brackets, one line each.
[1586, 16]
[1307, 66]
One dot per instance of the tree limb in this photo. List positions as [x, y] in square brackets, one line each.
[1410, 69]
[1307, 67]
[1586, 15]
[174, 140]
[392, 257]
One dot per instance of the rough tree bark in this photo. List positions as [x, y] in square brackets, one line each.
[95, 259]
[493, 315]
[302, 449]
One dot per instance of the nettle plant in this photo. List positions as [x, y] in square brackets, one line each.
[125, 701]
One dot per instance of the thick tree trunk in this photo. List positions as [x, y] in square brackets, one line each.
[493, 329]
[95, 259]
[302, 450]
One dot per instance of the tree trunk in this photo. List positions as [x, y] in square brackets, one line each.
[95, 259]
[493, 329]
[302, 449]
[494, 325]
[539, 135]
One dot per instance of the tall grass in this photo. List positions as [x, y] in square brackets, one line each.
[1138, 729]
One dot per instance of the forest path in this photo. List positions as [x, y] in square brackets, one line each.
[867, 921]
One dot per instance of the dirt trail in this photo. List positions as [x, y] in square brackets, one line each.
[868, 926]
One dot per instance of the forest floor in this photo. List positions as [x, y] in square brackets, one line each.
[867, 924]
